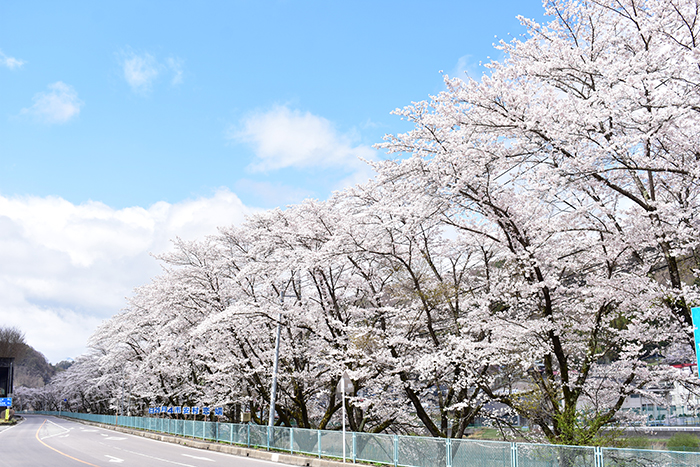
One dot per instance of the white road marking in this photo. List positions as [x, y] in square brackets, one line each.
[118, 438]
[155, 458]
[8, 428]
[63, 434]
[114, 459]
[199, 458]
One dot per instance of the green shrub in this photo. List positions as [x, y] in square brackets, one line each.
[683, 442]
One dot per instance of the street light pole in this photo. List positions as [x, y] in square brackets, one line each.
[345, 384]
[273, 393]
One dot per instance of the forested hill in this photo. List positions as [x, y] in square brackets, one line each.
[33, 370]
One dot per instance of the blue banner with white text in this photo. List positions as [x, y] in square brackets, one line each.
[696, 324]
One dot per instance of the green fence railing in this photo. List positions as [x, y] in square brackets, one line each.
[397, 450]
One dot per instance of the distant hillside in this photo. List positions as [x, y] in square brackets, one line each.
[32, 369]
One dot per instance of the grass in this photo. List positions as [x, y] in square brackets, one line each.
[487, 434]
[683, 442]
[636, 442]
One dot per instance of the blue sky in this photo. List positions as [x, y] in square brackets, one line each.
[156, 119]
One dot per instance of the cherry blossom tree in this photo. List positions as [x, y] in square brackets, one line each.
[533, 250]
[575, 160]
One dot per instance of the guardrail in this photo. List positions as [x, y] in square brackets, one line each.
[397, 450]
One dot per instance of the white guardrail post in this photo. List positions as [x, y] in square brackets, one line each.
[514, 454]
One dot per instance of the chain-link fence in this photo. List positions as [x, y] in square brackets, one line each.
[406, 451]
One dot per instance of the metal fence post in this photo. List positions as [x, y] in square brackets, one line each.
[396, 450]
[291, 440]
[448, 452]
[319, 443]
[269, 434]
[230, 432]
[354, 447]
[248, 425]
[514, 454]
[598, 453]
[204, 428]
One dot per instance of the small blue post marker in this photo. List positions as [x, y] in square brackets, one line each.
[695, 313]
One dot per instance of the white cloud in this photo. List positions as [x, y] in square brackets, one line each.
[175, 65]
[466, 68]
[140, 71]
[10, 62]
[58, 105]
[284, 137]
[66, 267]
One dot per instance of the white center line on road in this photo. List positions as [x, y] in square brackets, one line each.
[114, 459]
[199, 458]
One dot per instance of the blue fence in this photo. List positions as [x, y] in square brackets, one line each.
[406, 451]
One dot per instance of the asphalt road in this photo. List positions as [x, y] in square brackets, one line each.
[44, 441]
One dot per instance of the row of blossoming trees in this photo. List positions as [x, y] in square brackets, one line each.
[530, 251]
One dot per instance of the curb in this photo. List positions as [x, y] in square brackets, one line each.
[235, 450]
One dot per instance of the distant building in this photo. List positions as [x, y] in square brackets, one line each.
[679, 407]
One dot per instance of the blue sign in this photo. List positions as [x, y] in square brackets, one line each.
[696, 323]
[219, 411]
[5, 402]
